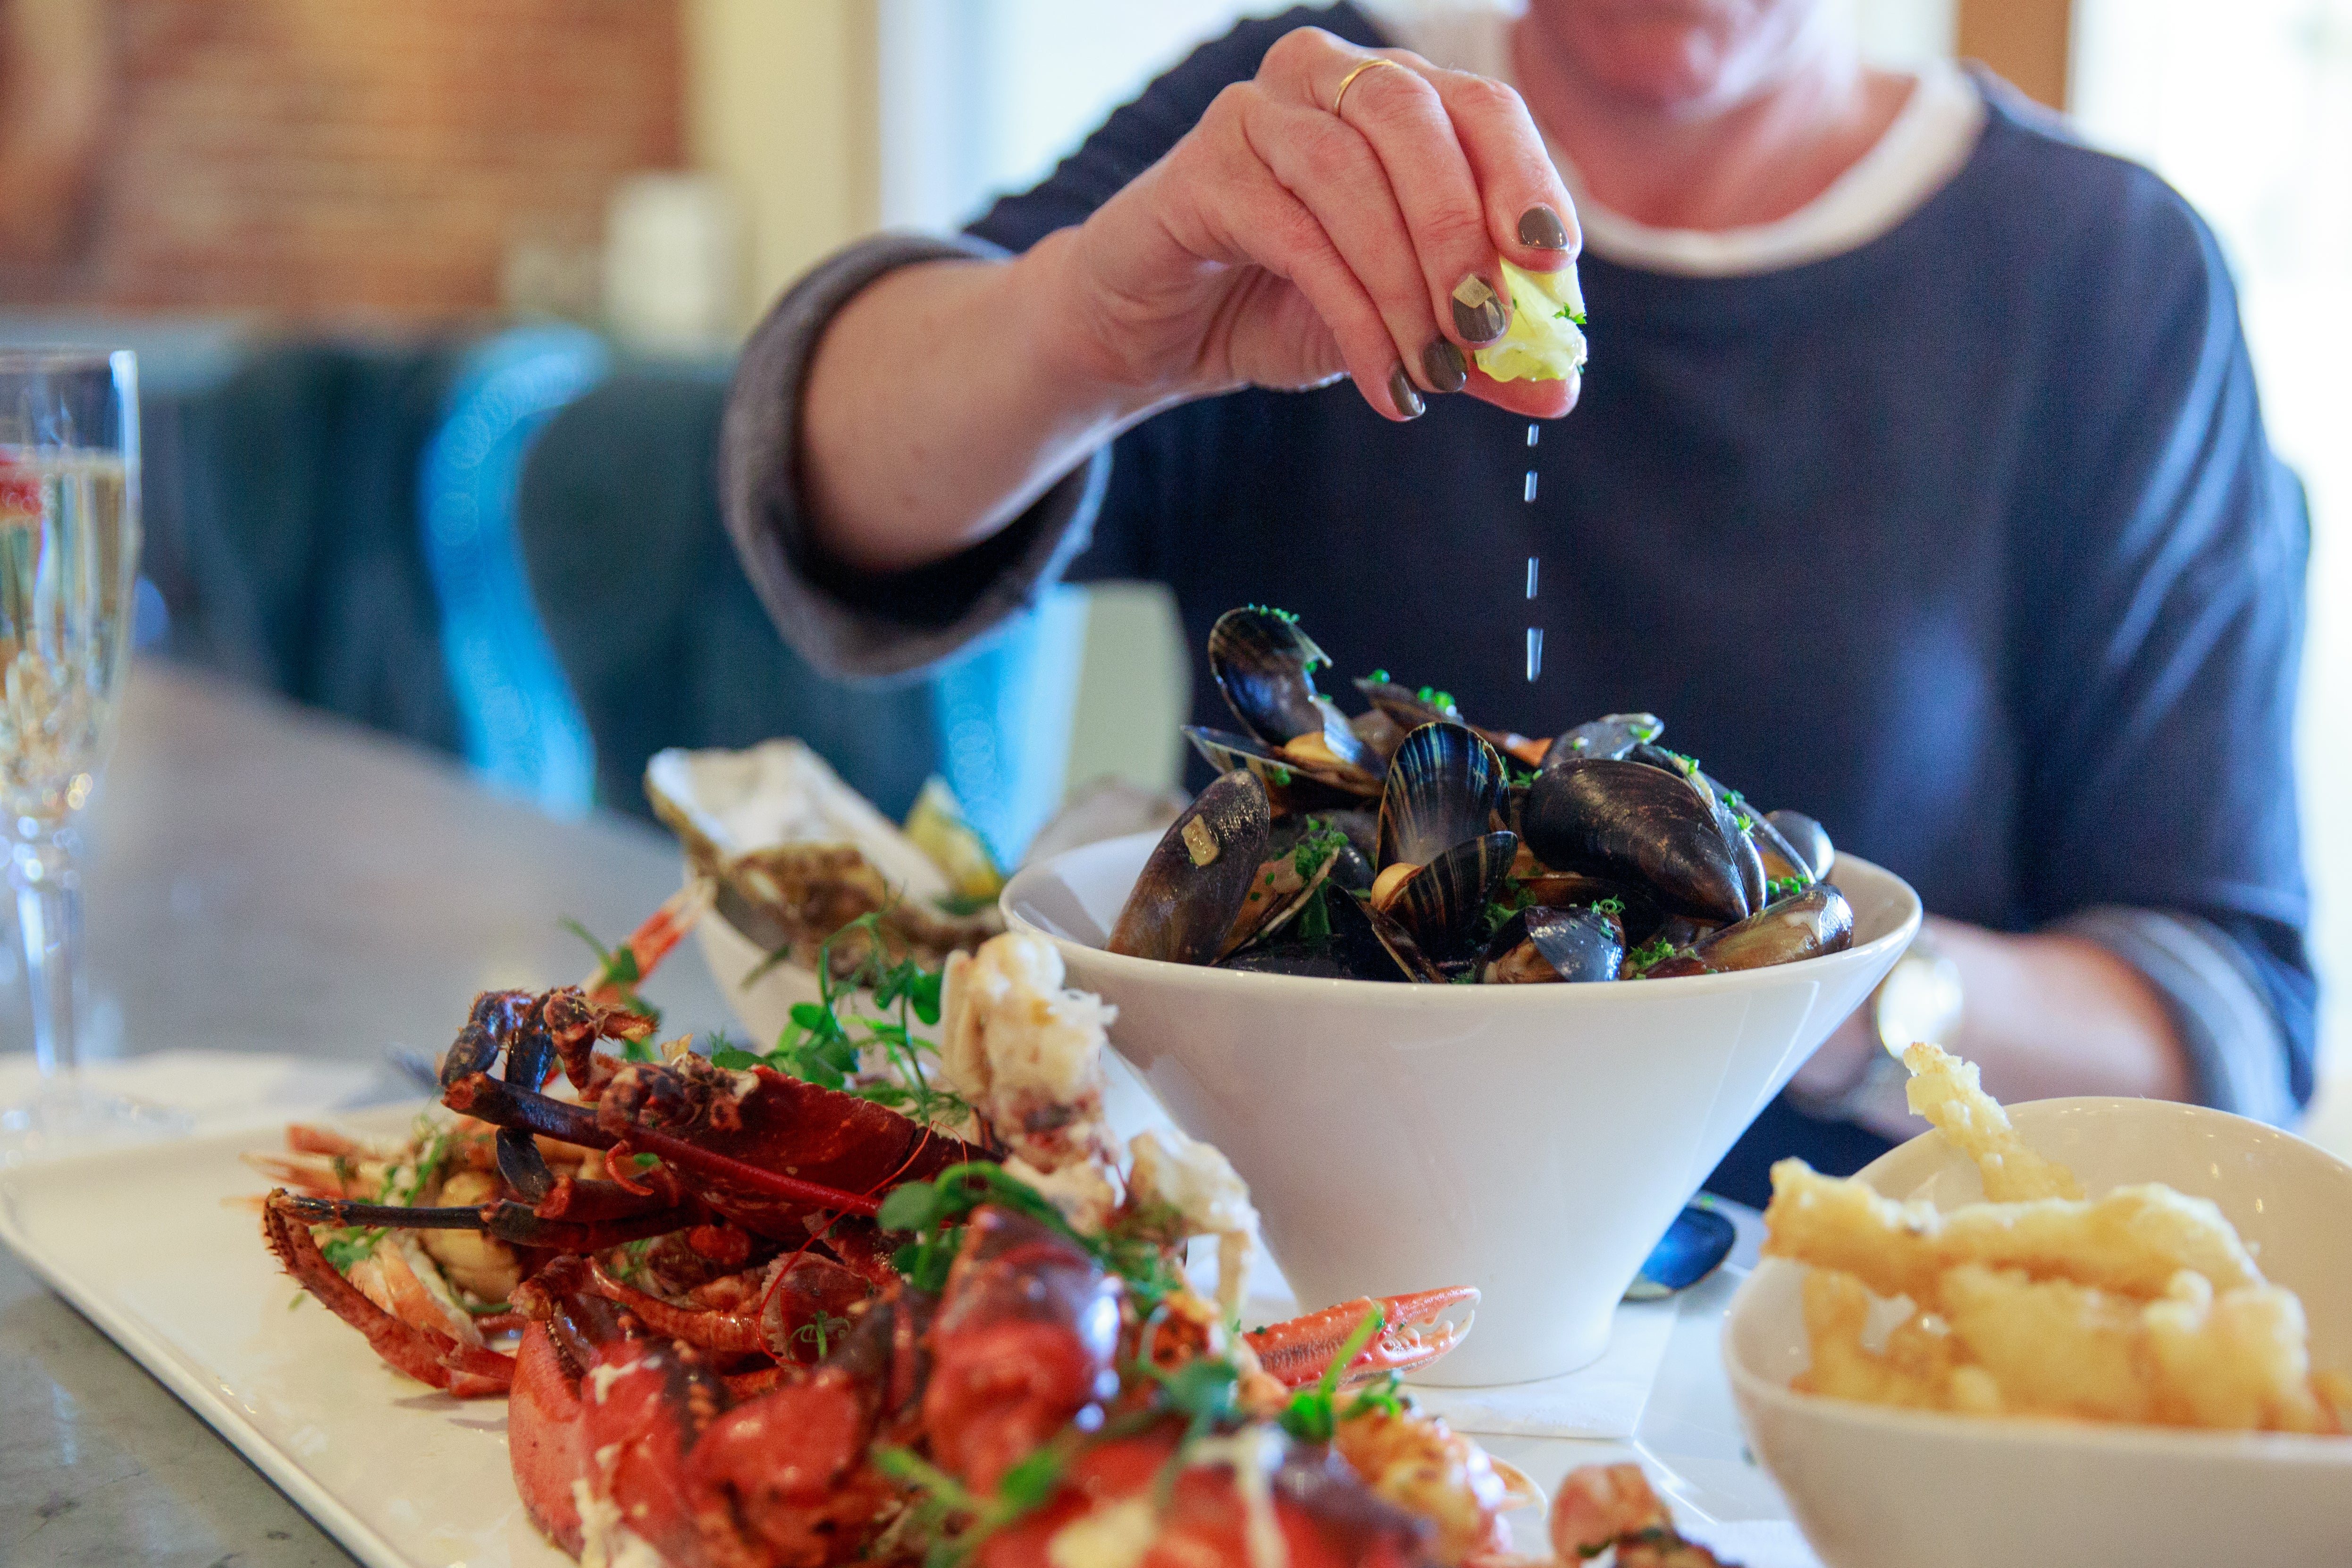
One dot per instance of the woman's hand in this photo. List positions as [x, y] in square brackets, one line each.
[1297, 233]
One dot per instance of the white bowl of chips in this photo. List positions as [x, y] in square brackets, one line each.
[1931, 1488]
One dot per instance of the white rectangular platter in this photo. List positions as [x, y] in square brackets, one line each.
[160, 1247]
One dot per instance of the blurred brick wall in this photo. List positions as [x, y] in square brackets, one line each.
[371, 158]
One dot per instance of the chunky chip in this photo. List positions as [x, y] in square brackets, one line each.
[1950, 1093]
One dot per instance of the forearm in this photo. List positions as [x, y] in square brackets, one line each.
[941, 402]
[2050, 1015]
[2046, 1015]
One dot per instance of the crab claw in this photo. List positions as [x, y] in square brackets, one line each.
[1415, 1332]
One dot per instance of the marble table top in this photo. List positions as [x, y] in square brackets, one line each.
[263, 878]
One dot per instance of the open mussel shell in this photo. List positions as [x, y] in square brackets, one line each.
[1407, 707]
[1442, 785]
[1578, 946]
[1190, 889]
[1265, 665]
[1627, 822]
[1801, 841]
[1403, 949]
[1293, 785]
[1609, 737]
[1281, 888]
[1440, 902]
[1348, 951]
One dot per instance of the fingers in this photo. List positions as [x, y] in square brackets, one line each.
[1527, 210]
[1265, 221]
[1334, 173]
[1467, 180]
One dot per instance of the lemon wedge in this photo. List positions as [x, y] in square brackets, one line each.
[1543, 342]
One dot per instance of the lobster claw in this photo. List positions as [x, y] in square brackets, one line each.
[1414, 1331]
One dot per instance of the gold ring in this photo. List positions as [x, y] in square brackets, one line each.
[1349, 80]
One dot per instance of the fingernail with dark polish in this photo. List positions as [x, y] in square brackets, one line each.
[1478, 313]
[1406, 395]
[1442, 364]
[1540, 227]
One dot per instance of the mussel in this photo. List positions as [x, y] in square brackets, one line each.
[1804, 924]
[1190, 890]
[1803, 846]
[1266, 665]
[1600, 854]
[1439, 865]
[1609, 738]
[1548, 944]
[1627, 822]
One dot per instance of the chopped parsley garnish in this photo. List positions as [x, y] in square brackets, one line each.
[819, 1046]
[934, 1212]
[1382, 677]
[955, 1520]
[1780, 887]
[1650, 954]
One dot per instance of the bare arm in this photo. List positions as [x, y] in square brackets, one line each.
[2046, 1015]
[1291, 237]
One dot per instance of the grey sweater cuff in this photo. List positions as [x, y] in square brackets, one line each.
[841, 621]
[2233, 1043]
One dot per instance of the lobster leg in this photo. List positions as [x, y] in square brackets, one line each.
[531, 1053]
[428, 1358]
[510, 1222]
[1413, 1333]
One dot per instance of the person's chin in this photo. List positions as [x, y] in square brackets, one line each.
[1664, 67]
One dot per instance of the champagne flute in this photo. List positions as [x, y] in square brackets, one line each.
[68, 565]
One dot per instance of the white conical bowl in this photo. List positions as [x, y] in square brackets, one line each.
[1873, 1488]
[1534, 1141]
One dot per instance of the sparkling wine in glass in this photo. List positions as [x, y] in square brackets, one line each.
[68, 566]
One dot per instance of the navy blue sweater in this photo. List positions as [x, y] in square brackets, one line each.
[1968, 542]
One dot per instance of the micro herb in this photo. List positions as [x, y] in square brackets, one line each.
[404, 1183]
[1277, 774]
[1650, 954]
[617, 969]
[955, 1520]
[1313, 1414]
[818, 1331]
[933, 1213]
[825, 1040]
[632, 1260]
[1315, 916]
[1780, 887]
[345, 1249]
[1319, 843]
[1522, 777]
[1202, 1391]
